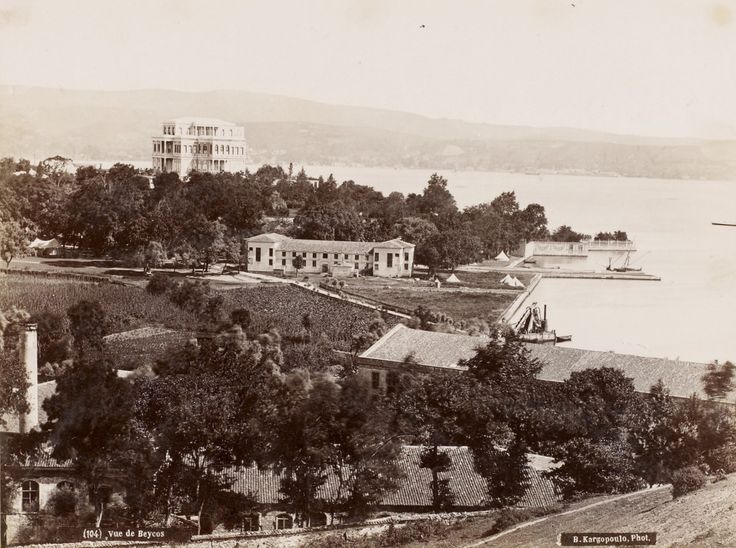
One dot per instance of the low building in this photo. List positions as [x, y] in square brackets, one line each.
[275, 253]
[199, 144]
[413, 493]
[443, 352]
[38, 478]
[46, 248]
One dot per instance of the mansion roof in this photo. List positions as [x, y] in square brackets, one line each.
[326, 246]
[445, 350]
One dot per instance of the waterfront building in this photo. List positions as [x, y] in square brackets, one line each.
[199, 144]
[275, 253]
[436, 352]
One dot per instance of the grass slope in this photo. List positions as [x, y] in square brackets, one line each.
[703, 518]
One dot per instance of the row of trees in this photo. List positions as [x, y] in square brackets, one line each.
[231, 399]
[207, 216]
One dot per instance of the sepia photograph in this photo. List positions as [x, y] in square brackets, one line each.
[367, 273]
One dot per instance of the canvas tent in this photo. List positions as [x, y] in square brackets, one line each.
[506, 280]
[515, 282]
[452, 279]
[46, 248]
[502, 257]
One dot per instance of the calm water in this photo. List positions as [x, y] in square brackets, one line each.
[689, 314]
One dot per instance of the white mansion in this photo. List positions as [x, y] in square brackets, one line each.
[276, 253]
[199, 144]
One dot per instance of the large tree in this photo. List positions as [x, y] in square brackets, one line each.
[437, 203]
[13, 242]
[449, 250]
[89, 418]
[497, 414]
[332, 221]
[13, 378]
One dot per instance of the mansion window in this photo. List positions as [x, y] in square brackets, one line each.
[283, 262]
[284, 521]
[324, 255]
[30, 497]
[376, 257]
[406, 256]
[314, 263]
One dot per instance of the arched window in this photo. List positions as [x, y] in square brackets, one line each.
[29, 496]
[284, 521]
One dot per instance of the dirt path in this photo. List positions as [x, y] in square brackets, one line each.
[703, 518]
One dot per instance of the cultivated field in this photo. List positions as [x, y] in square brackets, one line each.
[282, 306]
[125, 307]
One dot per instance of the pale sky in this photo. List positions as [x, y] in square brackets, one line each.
[649, 67]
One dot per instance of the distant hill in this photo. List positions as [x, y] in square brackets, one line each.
[36, 123]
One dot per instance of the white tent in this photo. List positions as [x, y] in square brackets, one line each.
[515, 282]
[502, 257]
[45, 247]
[506, 280]
[452, 279]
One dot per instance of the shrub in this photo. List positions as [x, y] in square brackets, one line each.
[63, 501]
[418, 531]
[686, 480]
[160, 283]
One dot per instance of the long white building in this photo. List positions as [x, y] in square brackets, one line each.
[276, 253]
[199, 144]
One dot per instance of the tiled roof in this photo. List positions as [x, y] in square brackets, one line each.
[396, 243]
[268, 238]
[326, 246]
[415, 489]
[44, 460]
[428, 347]
[681, 378]
[446, 349]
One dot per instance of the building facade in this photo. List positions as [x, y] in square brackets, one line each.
[199, 144]
[276, 253]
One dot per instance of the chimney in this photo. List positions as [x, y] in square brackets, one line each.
[28, 350]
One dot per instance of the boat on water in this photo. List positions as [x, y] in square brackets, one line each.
[532, 327]
[530, 260]
[723, 224]
[624, 267]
